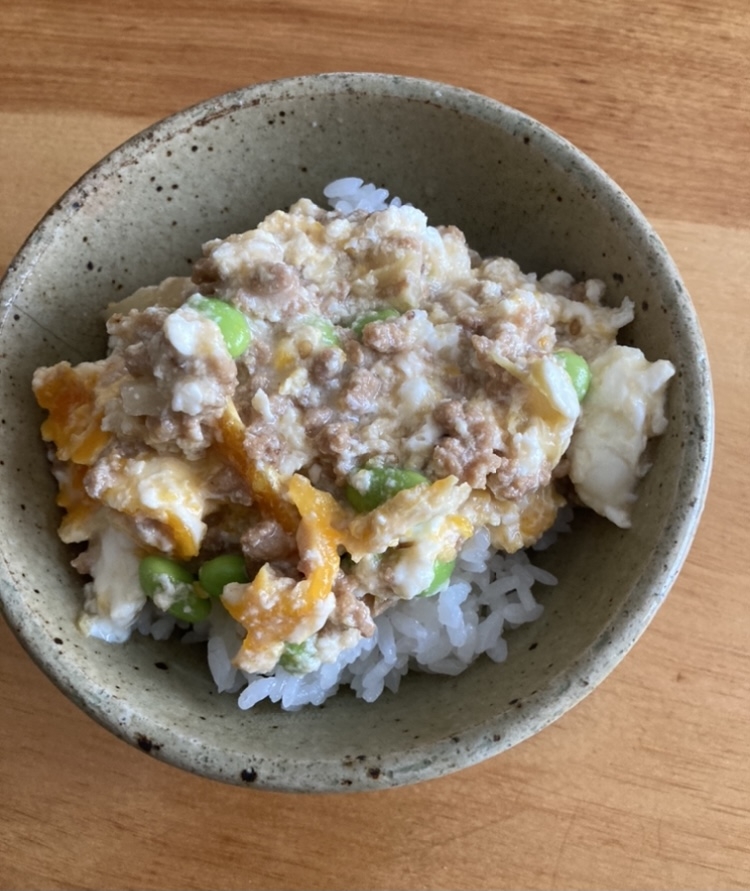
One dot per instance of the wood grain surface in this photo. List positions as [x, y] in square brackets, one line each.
[646, 784]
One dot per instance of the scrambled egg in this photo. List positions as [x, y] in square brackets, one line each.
[379, 353]
[624, 407]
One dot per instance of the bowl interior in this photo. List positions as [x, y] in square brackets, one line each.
[515, 189]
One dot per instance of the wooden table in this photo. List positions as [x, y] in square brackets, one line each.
[646, 784]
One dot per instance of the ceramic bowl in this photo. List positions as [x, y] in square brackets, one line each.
[516, 189]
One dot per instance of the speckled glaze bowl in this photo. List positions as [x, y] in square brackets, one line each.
[516, 189]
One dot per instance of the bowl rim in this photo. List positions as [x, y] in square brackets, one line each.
[581, 676]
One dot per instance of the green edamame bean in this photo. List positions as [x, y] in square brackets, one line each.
[220, 571]
[192, 608]
[232, 323]
[377, 315]
[329, 336]
[171, 586]
[442, 573]
[158, 574]
[375, 485]
[578, 371]
[298, 658]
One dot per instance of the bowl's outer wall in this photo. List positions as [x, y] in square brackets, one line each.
[515, 189]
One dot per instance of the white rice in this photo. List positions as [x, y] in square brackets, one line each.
[352, 193]
[488, 594]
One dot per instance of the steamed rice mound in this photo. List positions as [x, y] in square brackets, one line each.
[328, 452]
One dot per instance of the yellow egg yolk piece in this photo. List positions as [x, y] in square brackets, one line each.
[165, 489]
[69, 394]
[263, 481]
[81, 511]
[275, 609]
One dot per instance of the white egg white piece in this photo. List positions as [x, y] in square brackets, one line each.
[623, 409]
